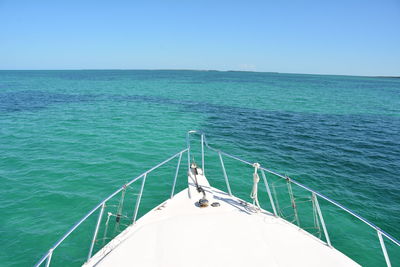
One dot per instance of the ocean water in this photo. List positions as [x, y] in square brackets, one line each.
[70, 138]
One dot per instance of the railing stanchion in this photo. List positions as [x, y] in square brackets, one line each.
[384, 248]
[49, 258]
[176, 174]
[202, 154]
[139, 198]
[96, 230]
[269, 192]
[328, 241]
[188, 150]
[225, 176]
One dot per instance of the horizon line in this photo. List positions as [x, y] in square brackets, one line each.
[216, 70]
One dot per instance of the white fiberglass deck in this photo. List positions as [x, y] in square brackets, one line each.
[179, 233]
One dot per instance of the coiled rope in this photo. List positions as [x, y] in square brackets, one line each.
[254, 191]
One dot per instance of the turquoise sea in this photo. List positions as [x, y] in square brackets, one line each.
[70, 138]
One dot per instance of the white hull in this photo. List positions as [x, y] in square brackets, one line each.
[179, 233]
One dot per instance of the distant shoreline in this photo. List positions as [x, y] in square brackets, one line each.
[210, 70]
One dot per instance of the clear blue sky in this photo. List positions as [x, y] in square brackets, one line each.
[355, 37]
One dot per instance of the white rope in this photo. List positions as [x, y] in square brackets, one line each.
[254, 192]
[293, 201]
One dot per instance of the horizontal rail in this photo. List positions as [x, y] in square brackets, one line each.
[76, 225]
[394, 240]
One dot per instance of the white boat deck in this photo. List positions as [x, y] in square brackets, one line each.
[179, 233]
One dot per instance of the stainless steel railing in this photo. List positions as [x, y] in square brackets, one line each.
[204, 144]
[314, 193]
[48, 256]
